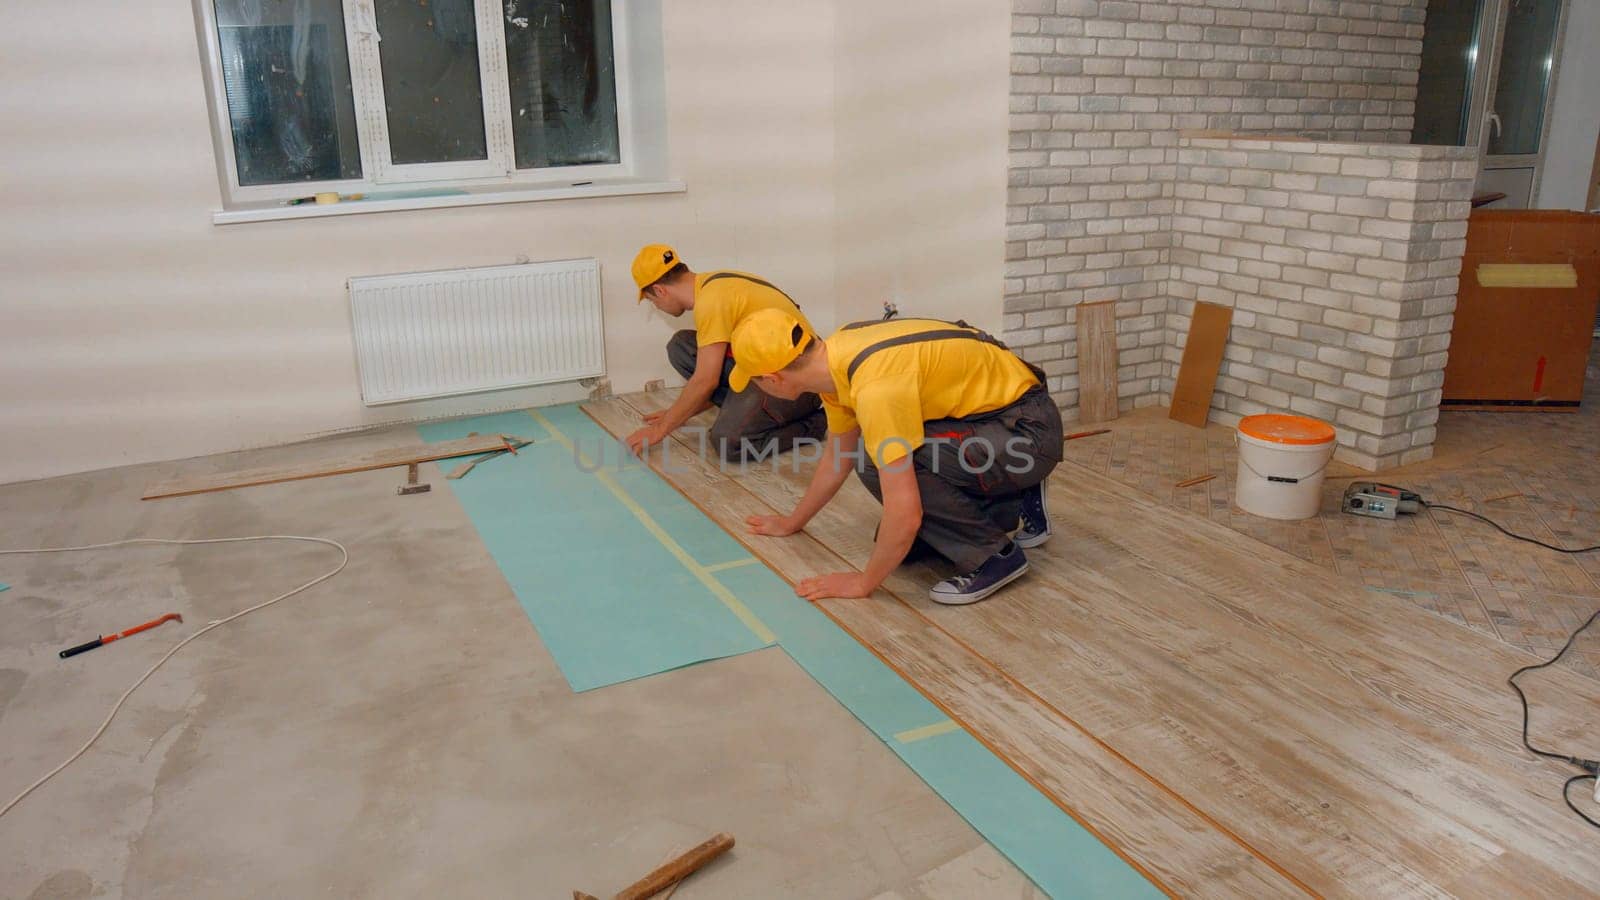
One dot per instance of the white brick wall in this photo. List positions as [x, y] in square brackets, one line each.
[1101, 89]
[1341, 267]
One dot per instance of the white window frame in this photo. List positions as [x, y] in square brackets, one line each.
[379, 173]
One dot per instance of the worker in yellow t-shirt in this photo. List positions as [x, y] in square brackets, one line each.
[952, 432]
[749, 424]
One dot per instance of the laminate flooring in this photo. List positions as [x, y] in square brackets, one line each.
[1229, 717]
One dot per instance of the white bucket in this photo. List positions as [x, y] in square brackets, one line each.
[1282, 461]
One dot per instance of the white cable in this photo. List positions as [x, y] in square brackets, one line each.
[344, 559]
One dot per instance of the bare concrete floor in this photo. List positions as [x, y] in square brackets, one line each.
[400, 731]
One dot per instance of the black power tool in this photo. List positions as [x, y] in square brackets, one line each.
[1380, 501]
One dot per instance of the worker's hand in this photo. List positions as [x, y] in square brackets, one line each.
[772, 526]
[651, 418]
[845, 585]
[650, 434]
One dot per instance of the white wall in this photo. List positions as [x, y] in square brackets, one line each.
[1575, 112]
[923, 95]
[134, 330]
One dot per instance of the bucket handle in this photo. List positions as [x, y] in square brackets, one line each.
[1281, 479]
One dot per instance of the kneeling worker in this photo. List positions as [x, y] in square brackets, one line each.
[951, 431]
[748, 420]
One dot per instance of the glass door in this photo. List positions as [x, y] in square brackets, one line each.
[1514, 136]
[1485, 81]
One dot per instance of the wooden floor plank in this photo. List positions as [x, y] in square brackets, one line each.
[1180, 850]
[363, 462]
[1202, 360]
[1097, 361]
[1370, 749]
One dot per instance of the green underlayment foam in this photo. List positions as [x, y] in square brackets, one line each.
[583, 566]
[579, 561]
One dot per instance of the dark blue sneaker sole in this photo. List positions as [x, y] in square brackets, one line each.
[1028, 540]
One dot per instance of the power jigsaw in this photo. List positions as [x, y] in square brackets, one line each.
[1380, 501]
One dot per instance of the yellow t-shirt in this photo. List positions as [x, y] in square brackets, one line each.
[896, 389]
[723, 299]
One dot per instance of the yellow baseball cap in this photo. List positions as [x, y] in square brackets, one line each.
[765, 342]
[654, 261]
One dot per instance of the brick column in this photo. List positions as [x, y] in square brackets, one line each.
[1341, 264]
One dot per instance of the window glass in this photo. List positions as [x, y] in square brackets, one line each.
[287, 79]
[432, 91]
[563, 82]
[1449, 61]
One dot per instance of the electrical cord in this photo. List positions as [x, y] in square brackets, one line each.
[1590, 767]
[1502, 530]
[1565, 795]
[344, 559]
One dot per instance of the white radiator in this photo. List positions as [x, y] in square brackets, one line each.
[439, 334]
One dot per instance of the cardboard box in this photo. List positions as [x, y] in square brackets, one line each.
[1524, 348]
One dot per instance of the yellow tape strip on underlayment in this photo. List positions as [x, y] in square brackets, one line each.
[912, 735]
[1527, 275]
[734, 604]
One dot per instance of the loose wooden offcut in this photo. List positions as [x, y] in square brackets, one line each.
[1202, 360]
[465, 468]
[366, 462]
[1097, 361]
[670, 873]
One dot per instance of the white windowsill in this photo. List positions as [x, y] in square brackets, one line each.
[376, 202]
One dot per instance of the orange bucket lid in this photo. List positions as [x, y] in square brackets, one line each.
[1281, 429]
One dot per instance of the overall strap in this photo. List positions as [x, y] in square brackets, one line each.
[750, 278]
[956, 332]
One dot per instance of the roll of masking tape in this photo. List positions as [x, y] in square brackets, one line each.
[327, 197]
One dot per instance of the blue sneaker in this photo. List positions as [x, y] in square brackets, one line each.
[1035, 528]
[995, 573]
